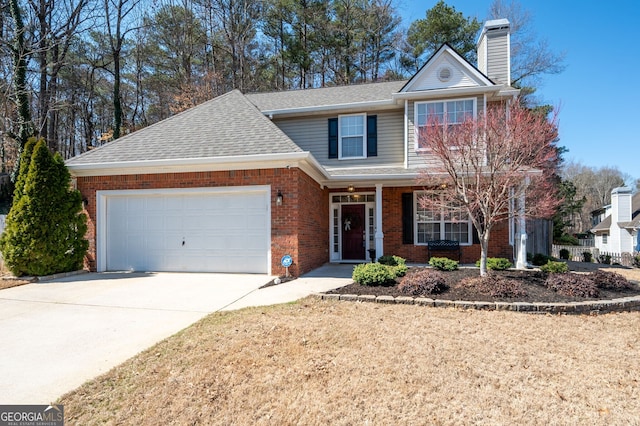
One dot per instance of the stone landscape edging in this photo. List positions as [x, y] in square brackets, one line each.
[591, 307]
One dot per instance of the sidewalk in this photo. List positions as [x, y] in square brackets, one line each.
[324, 278]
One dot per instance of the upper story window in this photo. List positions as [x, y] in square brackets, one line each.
[351, 136]
[451, 112]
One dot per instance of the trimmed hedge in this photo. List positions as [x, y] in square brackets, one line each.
[443, 263]
[423, 282]
[495, 286]
[574, 285]
[496, 263]
[373, 274]
[555, 267]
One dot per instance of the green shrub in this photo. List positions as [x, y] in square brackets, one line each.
[540, 259]
[45, 227]
[373, 274]
[423, 282]
[605, 258]
[555, 267]
[496, 263]
[564, 254]
[391, 260]
[399, 270]
[573, 285]
[636, 260]
[567, 240]
[587, 256]
[609, 280]
[443, 263]
[494, 286]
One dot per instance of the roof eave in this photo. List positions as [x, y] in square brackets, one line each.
[303, 160]
[328, 108]
[453, 91]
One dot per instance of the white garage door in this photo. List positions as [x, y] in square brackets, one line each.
[207, 230]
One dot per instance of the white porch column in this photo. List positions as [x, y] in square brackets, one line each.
[521, 243]
[379, 235]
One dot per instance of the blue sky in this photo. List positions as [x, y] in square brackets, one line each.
[598, 93]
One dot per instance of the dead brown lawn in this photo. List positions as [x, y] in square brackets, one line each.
[342, 363]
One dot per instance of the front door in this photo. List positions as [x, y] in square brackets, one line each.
[353, 232]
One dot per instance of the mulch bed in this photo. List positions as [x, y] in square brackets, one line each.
[531, 280]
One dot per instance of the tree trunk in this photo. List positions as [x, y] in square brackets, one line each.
[43, 51]
[25, 130]
[117, 105]
[484, 249]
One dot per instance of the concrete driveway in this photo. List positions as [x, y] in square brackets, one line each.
[56, 335]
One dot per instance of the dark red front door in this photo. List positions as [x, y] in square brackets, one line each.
[353, 232]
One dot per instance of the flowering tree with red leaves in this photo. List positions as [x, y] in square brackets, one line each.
[486, 165]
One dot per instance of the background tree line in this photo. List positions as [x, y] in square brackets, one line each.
[80, 73]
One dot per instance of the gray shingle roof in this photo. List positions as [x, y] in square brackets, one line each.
[228, 125]
[635, 217]
[603, 226]
[325, 96]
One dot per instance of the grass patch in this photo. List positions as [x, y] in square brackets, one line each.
[322, 362]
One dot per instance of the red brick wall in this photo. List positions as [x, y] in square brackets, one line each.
[392, 229]
[299, 227]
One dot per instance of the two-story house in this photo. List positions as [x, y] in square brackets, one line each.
[322, 175]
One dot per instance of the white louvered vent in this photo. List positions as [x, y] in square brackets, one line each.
[444, 74]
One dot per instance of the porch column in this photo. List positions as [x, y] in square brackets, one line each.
[379, 235]
[521, 243]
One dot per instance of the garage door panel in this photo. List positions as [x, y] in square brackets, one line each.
[222, 231]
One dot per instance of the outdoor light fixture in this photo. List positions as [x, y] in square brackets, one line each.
[350, 188]
[279, 198]
[85, 202]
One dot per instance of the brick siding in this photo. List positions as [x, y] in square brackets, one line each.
[392, 229]
[299, 227]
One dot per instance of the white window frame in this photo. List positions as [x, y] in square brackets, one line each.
[364, 136]
[605, 238]
[441, 221]
[417, 125]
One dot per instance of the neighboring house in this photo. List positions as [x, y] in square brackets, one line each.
[619, 231]
[323, 175]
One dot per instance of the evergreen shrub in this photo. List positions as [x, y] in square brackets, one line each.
[443, 263]
[374, 274]
[496, 263]
[45, 228]
[555, 267]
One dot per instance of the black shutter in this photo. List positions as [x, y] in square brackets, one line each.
[333, 138]
[372, 136]
[407, 218]
[474, 234]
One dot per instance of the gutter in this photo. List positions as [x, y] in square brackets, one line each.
[304, 160]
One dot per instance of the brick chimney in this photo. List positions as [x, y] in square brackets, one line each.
[494, 51]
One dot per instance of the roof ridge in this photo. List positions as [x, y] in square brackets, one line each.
[341, 86]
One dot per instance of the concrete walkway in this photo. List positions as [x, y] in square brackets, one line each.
[58, 334]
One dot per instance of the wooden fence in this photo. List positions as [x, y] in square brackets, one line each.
[539, 236]
[597, 256]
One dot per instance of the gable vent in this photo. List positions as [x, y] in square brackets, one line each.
[444, 74]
